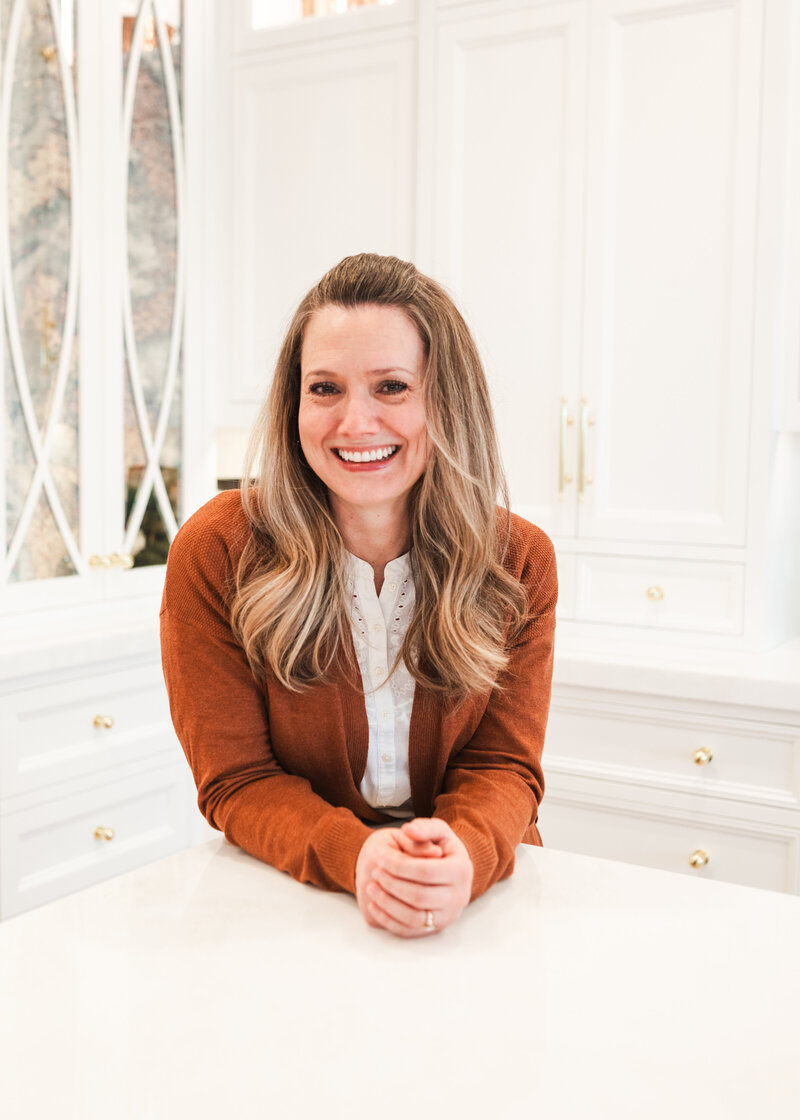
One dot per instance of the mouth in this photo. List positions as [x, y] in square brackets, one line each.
[368, 455]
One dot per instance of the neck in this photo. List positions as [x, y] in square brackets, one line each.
[374, 535]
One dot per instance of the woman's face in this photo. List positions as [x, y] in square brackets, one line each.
[362, 420]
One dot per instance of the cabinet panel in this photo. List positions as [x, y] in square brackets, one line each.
[322, 167]
[660, 594]
[510, 138]
[743, 763]
[53, 849]
[752, 857]
[49, 734]
[672, 176]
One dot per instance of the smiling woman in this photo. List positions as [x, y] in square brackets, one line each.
[362, 637]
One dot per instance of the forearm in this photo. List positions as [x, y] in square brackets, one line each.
[489, 811]
[280, 820]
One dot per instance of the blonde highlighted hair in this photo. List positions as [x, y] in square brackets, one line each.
[290, 609]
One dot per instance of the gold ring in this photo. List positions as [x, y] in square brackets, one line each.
[429, 923]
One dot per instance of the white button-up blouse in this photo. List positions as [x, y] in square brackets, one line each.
[379, 626]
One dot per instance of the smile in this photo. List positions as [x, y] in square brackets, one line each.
[373, 455]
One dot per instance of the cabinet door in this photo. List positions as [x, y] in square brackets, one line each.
[508, 175]
[93, 283]
[672, 171]
[321, 167]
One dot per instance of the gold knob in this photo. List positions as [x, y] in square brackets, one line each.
[47, 53]
[120, 560]
[698, 858]
[702, 756]
[103, 721]
[568, 478]
[96, 561]
[588, 479]
[101, 833]
[655, 593]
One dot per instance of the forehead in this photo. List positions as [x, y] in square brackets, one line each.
[365, 337]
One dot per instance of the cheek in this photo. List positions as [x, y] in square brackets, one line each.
[307, 430]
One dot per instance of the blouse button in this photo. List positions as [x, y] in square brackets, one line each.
[385, 715]
[386, 757]
[377, 628]
[392, 586]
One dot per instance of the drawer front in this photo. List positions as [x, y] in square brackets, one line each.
[50, 733]
[660, 594]
[77, 841]
[759, 765]
[751, 857]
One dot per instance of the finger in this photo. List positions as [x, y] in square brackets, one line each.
[414, 894]
[422, 849]
[387, 922]
[430, 829]
[395, 908]
[431, 872]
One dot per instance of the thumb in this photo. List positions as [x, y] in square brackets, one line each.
[429, 828]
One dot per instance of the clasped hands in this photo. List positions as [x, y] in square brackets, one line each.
[402, 873]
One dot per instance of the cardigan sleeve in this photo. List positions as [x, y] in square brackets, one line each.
[493, 786]
[221, 719]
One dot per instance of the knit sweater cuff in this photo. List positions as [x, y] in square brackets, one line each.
[338, 848]
[483, 853]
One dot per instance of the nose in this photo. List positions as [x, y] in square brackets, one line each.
[359, 416]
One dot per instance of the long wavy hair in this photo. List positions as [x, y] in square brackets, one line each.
[289, 608]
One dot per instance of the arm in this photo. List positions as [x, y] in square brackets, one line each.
[492, 788]
[221, 719]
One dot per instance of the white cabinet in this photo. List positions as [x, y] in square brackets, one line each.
[602, 184]
[507, 188]
[317, 163]
[93, 781]
[106, 443]
[709, 788]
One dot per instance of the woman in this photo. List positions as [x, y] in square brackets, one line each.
[363, 638]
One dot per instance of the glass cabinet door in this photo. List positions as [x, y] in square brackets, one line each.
[49, 483]
[153, 279]
[39, 276]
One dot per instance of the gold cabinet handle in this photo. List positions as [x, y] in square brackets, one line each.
[584, 479]
[103, 722]
[655, 594]
[101, 833]
[564, 479]
[702, 756]
[698, 858]
[96, 561]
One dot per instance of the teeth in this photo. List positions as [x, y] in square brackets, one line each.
[367, 456]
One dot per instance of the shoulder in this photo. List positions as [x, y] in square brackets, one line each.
[218, 529]
[530, 558]
[205, 553]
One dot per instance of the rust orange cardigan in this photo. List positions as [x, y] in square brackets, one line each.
[278, 772]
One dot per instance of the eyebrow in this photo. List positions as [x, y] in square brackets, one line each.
[370, 372]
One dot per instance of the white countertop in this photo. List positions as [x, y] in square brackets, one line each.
[769, 680]
[211, 985]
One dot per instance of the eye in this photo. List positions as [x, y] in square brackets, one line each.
[322, 389]
[393, 387]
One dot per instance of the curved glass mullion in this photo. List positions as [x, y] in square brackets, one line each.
[40, 445]
[175, 342]
[152, 487]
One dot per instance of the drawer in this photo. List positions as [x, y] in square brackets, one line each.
[49, 731]
[752, 856]
[56, 848]
[758, 765]
[696, 596]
